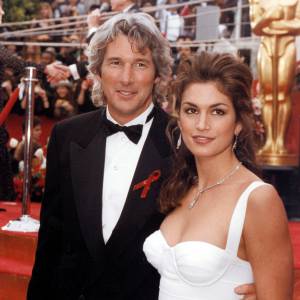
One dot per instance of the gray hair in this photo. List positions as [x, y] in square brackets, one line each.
[141, 31]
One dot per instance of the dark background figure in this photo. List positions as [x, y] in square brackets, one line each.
[38, 163]
[6, 176]
[83, 95]
[9, 60]
[64, 105]
[183, 51]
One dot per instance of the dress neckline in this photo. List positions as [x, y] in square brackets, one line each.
[186, 242]
[165, 241]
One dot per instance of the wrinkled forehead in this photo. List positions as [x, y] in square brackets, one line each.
[137, 42]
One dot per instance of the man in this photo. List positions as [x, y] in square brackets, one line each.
[103, 178]
[96, 17]
[170, 22]
[183, 51]
[97, 210]
[124, 6]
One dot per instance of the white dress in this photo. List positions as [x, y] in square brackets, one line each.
[195, 270]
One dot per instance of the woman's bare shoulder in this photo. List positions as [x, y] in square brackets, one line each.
[262, 197]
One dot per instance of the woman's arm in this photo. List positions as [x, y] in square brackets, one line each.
[268, 245]
[19, 152]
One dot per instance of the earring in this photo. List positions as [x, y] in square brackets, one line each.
[178, 142]
[235, 142]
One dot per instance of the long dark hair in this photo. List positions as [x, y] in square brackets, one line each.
[234, 79]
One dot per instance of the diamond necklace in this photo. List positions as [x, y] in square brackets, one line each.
[201, 191]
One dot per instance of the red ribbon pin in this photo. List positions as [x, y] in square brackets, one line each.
[145, 184]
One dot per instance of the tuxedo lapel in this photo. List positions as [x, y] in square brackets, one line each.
[87, 165]
[137, 209]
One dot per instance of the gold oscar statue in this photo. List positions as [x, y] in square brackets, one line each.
[277, 22]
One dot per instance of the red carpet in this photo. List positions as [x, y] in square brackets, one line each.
[17, 254]
[295, 234]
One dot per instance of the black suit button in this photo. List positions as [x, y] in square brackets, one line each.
[81, 297]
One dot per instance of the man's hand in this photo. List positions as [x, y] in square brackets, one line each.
[7, 85]
[86, 84]
[246, 291]
[56, 72]
[94, 18]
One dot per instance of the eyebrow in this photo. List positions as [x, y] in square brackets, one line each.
[212, 106]
[113, 58]
[139, 59]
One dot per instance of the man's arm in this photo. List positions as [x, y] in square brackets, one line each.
[246, 291]
[18, 65]
[77, 71]
[94, 20]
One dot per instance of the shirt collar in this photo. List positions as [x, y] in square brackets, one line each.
[141, 119]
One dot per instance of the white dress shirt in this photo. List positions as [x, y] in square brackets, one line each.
[171, 25]
[121, 158]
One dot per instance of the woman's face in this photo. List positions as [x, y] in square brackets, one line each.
[45, 12]
[62, 91]
[1, 11]
[207, 120]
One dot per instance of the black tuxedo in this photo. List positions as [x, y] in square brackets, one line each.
[72, 261]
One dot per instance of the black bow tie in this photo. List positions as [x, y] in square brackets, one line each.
[133, 132]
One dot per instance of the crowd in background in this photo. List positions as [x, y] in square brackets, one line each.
[70, 97]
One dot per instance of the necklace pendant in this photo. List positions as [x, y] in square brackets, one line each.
[192, 204]
[221, 181]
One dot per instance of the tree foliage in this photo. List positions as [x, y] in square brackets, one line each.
[20, 10]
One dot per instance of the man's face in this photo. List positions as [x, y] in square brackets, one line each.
[117, 5]
[47, 58]
[173, 9]
[127, 78]
[183, 50]
[36, 133]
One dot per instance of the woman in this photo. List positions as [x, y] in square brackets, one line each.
[64, 105]
[7, 59]
[211, 241]
[45, 14]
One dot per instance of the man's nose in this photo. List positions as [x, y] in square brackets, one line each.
[127, 75]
